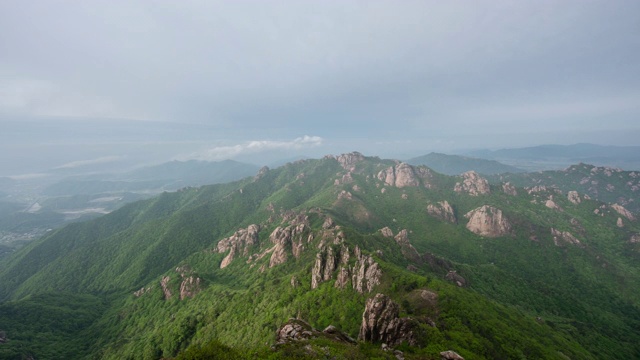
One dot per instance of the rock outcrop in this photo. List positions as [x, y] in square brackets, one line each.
[456, 278]
[574, 197]
[624, 212]
[164, 284]
[238, 244]
[443, 211]
[619, 223]
[366, 273]
[488, 221]
[563, 236]
[509, 189]
[408, 251]
[189, 287]
[405, 175]
[552, 205]
[450, 355]
[635, 238]
[299, 330]
[472, 184]
[348, 161]
[386, 232]
[381, 323]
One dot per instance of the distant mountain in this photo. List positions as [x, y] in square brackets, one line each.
[456, 164]
[548, 157]
[168, 176]
[373, 251]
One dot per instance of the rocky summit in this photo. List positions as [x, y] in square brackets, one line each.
[392, 260]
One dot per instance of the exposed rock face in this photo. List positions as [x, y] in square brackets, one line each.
[328, 223]
[386, 232]
[509, 189]
[326, 263]
[450, 355]
[262, 172]
[345, 195]
[619, 223]
[380, 323]
[164, 283]
[454, 277]
[624, 212]
[552, 205]
[472, 184]
[366, 273]
[239, 243]
[635, 239]
[300, 330]
[488, 221]
[349, 161]
[408, 251]
[405, 175]
[282, 238]
[189, 287]
[443, 211]
[564, 236]
[574, 197]
[343, 278]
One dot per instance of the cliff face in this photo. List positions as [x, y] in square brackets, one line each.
[443, 211]
[240, 243]
[405, 175]
[381, 323]
[566, 237]
[488, 221]
[472, 184]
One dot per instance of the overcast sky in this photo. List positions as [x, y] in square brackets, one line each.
[382, 77]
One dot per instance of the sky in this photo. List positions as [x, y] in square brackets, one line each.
[101, 81]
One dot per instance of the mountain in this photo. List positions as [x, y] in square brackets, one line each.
[372, 251]
[456, 164]
[548, 157]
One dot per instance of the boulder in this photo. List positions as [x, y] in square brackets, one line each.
[488, 221]
[450, 355]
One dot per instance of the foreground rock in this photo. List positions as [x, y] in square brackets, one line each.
[381, 323]
[488, 221]
[299, 330]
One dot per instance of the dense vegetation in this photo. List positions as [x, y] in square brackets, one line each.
[71, 293]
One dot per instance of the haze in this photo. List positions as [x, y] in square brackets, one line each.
[126, 83]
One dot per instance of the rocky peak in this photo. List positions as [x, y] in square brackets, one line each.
[443, 211]
[366, 273]
[381, 323]
[402, 175]
[472, 184]
[624, 212]
[262, 172]
[349, 161]
[488, 221]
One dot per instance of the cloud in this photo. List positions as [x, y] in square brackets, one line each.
[81, 163]
[253, 147]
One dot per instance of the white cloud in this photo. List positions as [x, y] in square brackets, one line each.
[257, 146]
[80, 163]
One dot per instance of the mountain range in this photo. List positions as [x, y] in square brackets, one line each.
[391, 260]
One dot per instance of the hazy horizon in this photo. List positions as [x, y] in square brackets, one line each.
[140, 82]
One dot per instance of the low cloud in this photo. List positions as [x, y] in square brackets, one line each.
[259, 146]
[80, 163]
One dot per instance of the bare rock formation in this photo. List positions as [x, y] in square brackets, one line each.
[552, 205]
[299, 330]
[635, 238]
[454, 277]
[262, 172]
[381, 323]
[619, 223]
[408, 251]
[240, 242]
[509, 189]
[366, 273]
[405, 175]
[282, 238]
[386, 232]
[189, 287]
[574, 197]
[443, 211]
[450, 355]
[164, 284]
[563, 236]
[472, 184]
[488, 221]
[624, 212]
[349, 161]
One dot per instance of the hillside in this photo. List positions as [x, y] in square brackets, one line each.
[456, 164]
[488, 271]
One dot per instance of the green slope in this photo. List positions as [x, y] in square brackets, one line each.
[525, 296]
[456, 164]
